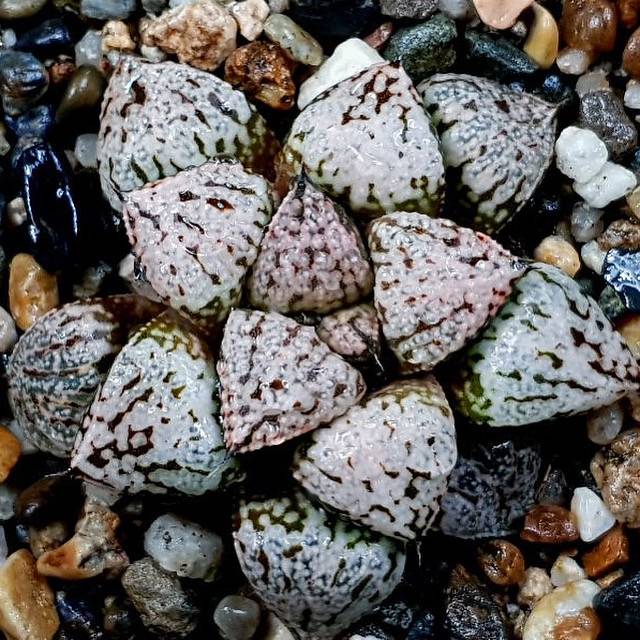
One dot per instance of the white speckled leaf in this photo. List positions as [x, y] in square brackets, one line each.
[318, 573]
[279, 380]
[550, 352]
[436, 285]
[196, 234]
[58, 364]
[499, 141]
[152, 426]
[385, 462]
[311, 258]
[368, 142]
[160, 118]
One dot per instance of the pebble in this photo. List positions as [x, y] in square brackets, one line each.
[458, 9]
[502, 562]
[580, 154]
[623, 233]
[596, 80]
[23, 80]
[470, 611]
[424, 48]
[164, 606]
[612, 305]
[379, 37]
[200, 33]
[93, 550]
[535, 585]
[591, 514]
[631, 55]
[619, 602]
[565, 570]
[558, 252]
[8, 333]
[88, 49]
[10, 451]
[549, 524]
[543, 38]
[349, 58]
[299, 45]
[632, 95]
[615, 468]
[37, 122]
[107, 9]
[84, 91]
[85, 150]
[593, 256]
[250, 16]
[586, 222]
[629, 329]
[609, 554]
[603, 112]
[415, 9]
[154, 54]
[61, 70]
[264, 72]
[47, 538]
[573, 61]
[237, 617]
[46, 39]
[629, 12]
[117, 37]
[16, 9]
[32, 291]
[184, 547]
[590, 26]
[604, 424]
[92, 279]
[611, 183]
[621, 270]
[49, 498]
[7, 500]
[27, 610]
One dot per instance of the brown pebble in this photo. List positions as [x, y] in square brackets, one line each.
[378, 38]
[629, 12]
[583, 625]
[558, 252]
[549, 524]
[61, 70]
[32, 290]
[629, 329]
[10, 450]
[611, 552]
[610, 578]
[631, 55]
[263, 71]
[589, 25]
[27, 610]
[502, 562]
[616, 469]
[621, 234]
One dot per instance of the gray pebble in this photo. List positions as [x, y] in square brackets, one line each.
[15, 9]
[416, 9]
[603, 112]
[237, 617]
[154, 7]
[23, 80]
[107, 9]
[165, 608]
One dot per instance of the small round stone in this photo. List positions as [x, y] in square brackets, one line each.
[558, 252]
[89, 49]
[16, 9]
[549, 524]
[299, 45]
[85, 150]
[611, 552]
[117, 37]
[603, 425]
[592, 81]
[631, 55]
[611, 183]
[580, 154]
[632, 95]
[586, 222]
[543, 38]
[184, 547]
[535, 585]
[84, 90]
[250, 16]
[564, 570]
[10, 450]
[7, 500]
[237, 617]
[573, 61]
[32, 291]
[23, 80]
[593, 256]
[590, 26]
[592, 515]
[502, 562]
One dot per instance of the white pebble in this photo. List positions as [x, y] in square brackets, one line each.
[612, 182]
[4, 549]
[278, 6]
[592, 514]
[561, 603]
[155, 54]
[586, 222]
[183, 547]
[593, 256]
[85, 150]
[565, 570]
[580, 154]
[573, 61]
[457, 9]
[8, 39]
[8, 497]
[16, 212]
[592, 81]
[250, 16]
[350, 57]
[89, 49]
[632, 95]
[604, 424]
[535, 585]
[8, 333]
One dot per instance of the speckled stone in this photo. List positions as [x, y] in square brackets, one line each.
[58, 364]
[436, 285]
[184, 547]
[385, 463]
[498, 142]
[317, 572]
[160, 118]
[416, 9]
[279, 380]
[196, 234]
[550, 352]
[355, 142]
[165, 369]
[311, 258]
